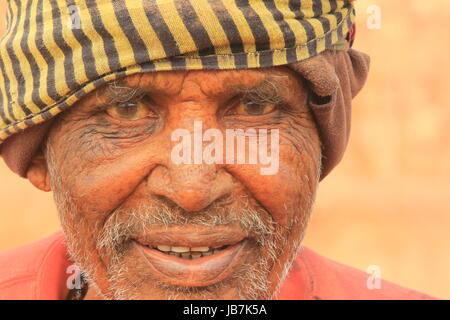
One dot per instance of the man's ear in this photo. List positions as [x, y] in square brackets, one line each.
[38, 174]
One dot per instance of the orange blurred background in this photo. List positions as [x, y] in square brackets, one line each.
[388, 203]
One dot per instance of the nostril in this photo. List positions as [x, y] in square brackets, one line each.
[187, 197]
[174, 207]
[179, 204]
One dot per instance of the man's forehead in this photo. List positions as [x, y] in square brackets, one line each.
[212, 82]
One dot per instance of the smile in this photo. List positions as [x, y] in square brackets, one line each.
[193, 259]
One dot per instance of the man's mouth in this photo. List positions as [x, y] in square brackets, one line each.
[193, 257]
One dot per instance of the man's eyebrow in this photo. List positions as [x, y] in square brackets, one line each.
[270, 90]
[119, 92]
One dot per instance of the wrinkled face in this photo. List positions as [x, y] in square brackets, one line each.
[143, 225]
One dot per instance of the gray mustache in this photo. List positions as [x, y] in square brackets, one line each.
[125, 224]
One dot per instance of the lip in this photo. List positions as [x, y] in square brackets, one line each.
[203, 271]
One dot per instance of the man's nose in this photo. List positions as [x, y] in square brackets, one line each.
[192, 187]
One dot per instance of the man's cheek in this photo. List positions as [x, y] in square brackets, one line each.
[101, 188]
[284, 192]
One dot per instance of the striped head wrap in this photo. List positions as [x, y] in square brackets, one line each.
[56, 51]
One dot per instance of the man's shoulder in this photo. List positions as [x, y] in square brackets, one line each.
[333, 280]
[24, 271]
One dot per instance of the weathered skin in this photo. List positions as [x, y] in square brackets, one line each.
[105, 163]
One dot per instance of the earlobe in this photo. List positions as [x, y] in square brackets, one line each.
[37, 173]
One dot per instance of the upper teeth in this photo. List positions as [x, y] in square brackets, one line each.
[188, 252]
[183, 249]
[164, 248]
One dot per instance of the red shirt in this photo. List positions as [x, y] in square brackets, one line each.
[38, 271]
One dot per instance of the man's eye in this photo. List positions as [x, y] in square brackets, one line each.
[250, 108]
[130, 111]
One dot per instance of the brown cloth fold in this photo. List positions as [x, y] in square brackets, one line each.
[334, 77]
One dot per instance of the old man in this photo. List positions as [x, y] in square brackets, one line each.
[150, 121]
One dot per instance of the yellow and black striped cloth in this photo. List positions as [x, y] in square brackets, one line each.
[56, 51]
